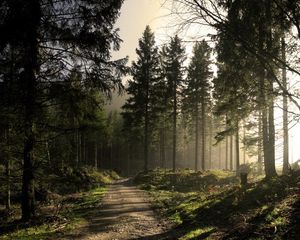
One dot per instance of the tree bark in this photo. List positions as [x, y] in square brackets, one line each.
[226, 145]
[146, 142]
[76, 144]
[244, 145]
[7, 168]
[174, 125]
[48, 152]
[162, 146]
[226, 152]
[220, 155]
[196, 137]
[268, 119]
[83, 149]
[231, 153]
[203, 165]
[237, 148]
[259, 144]
[30, 86]
[96, 155]
[210, 142]
[285, 169]
[79, 150]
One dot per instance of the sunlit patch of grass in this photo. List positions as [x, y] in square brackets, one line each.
[197, 232]
[74, 215]
[45, 231]
[176, 218]
[221, 173]
[212, 203]
[86, 205]
[184, 180]
[104, 176]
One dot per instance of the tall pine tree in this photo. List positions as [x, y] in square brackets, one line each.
[174, 57]
[197, 96]
[140, 106]
[52, 37]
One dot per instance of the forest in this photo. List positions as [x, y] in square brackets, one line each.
[201, 147]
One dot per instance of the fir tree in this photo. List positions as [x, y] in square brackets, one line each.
[174, 57]
[141, 105]
[197, 94]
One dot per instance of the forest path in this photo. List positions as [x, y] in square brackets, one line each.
[125, 214]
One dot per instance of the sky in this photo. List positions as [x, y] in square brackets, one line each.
[136, 14]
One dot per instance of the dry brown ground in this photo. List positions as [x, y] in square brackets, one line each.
[125, 214]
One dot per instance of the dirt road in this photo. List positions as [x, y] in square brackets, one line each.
[125, 214]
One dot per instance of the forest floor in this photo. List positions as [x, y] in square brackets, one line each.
[125, 213]
[213, 205]
[119, 211]
[183, 205]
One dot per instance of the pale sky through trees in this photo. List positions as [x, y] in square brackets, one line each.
[136, 14]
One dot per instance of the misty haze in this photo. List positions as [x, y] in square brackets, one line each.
[149, 119]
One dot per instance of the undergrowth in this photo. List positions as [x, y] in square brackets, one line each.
[212, 205]
[61, 213]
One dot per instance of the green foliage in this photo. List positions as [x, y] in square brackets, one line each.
[55, 70]
[72, 196]
[198, 86]
[72, 180]
[75, 215]
[141, 104]
[184, 180]
[265, 210]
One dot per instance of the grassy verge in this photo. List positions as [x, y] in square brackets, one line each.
[212, 205]
[62, 215]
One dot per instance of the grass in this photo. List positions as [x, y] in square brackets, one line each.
[212, 205]
[75, 213]
[66, 213]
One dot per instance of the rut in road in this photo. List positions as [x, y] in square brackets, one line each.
[125, 214]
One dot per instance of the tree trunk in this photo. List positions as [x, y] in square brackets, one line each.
[237, 148]
[79, 149]
[269, 143]
[231, 153]
[203, 166]
[111, 155]
[220, 155]
[48, 152]
[244, 145]
[76, 143]
[271, 161]
[28, 200]
[128, 159]
[285, 169]
[162, 147]
[259, 145]
[226, 152]
[210, 142]
[174, 125]
[96, 155]
[31, 68]
[83, 149]
[146, 142]
[266, 96]
[7, 173]
[7, 168]
[196, 138]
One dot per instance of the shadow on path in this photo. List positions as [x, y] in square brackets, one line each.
[125, 214]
